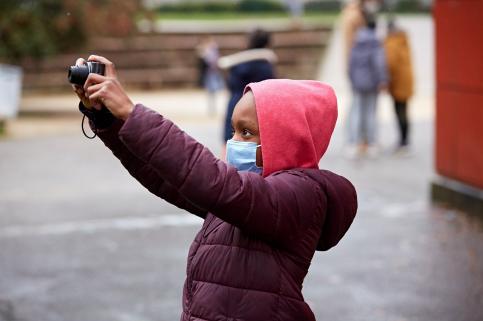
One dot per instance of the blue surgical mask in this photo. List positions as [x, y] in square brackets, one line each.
[242, 155]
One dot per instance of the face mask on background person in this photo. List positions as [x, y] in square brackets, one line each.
[242, 155]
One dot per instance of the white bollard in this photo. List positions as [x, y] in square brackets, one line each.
[10, 90]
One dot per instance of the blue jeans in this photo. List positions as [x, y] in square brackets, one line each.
[362, 118]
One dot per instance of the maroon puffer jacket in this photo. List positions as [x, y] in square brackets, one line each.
[249, 260]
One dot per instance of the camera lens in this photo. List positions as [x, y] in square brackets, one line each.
[78, 74]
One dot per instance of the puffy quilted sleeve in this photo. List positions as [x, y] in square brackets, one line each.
[142, 171]
[341, 208]
[275, 208]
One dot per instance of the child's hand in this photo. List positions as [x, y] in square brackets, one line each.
[108, 90]
[80, 91]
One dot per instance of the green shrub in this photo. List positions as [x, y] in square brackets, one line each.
[203, 7]
[410, 6]
[323, 6]
[260, 6]
[223, 6]
[37, 28]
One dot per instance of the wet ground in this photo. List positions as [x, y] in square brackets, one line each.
[81, 240]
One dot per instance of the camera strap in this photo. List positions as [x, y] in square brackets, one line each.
[83, 130]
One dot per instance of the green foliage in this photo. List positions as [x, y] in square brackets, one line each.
[223, 6]
[260, 5]
[3, 125]
[36, 28]
[410, 6]
[323, 6]
[199, 7]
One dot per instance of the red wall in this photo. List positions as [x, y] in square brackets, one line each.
[459, 90]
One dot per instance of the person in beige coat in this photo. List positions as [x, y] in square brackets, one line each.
[398, 56]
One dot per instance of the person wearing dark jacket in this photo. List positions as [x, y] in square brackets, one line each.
[266, 210]
[251, 65]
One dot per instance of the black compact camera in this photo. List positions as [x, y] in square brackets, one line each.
[78, 74]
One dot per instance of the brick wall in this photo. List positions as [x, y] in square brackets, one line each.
[169, 60]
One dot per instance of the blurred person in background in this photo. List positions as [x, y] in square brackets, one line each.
[352, 19]
[368, 75]
[398, 57]
[251, 65]
[209, 75]
[354, 16]
[296, 10]
[266, 211]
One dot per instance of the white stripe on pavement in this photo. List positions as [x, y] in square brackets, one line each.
[390, 211]
[91, 226]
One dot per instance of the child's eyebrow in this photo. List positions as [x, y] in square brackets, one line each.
[245, 123]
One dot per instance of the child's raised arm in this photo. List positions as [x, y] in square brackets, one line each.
[140, 170]
[277, 208]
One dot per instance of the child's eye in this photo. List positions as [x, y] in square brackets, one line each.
[246, 132]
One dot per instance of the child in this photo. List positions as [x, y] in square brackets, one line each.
[367, 73]
[401, 79]
[265, 212]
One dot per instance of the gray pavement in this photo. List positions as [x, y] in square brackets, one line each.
[81, 240]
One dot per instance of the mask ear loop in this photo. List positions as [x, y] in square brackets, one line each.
[83, 130]
[259, 145]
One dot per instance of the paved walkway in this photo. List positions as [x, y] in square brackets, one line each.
[81, 241]
[55, 114]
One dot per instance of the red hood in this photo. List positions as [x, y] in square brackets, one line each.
[296, 119]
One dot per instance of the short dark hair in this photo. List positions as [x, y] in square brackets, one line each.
[259, 38]
[370, 21]
[371, 24]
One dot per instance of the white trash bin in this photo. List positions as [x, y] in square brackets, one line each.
[10, 90]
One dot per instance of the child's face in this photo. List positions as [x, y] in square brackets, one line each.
[244, 122]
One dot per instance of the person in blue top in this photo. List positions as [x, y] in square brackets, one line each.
[368, 75]
[252, 65]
